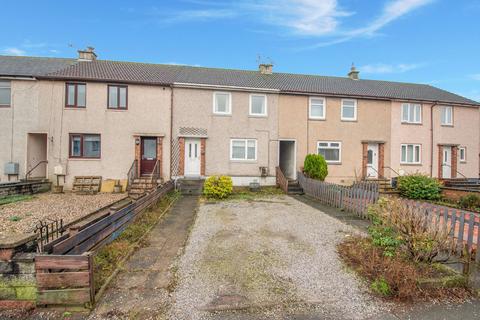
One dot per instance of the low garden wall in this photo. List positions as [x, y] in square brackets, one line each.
[455, 194]
[24, 188]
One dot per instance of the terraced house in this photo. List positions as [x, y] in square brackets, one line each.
[85, 116]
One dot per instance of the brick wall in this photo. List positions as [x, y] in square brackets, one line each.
[160, 154]
[138, 153]
[454, 161]
[440, 162]
[18, 286]
[364, 159]
[181, 164]
[203, 149]
[381, 160]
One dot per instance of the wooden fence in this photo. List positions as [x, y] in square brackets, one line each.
[464, 226]
[281, 180]
[106, 229]
[355, 198]
[65, 277]
[65, 280]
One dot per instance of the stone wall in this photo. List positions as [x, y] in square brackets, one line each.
[23, 188]
[456, 193]
[18, 286]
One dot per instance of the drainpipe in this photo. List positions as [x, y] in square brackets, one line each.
[171, 131]
[431, 138]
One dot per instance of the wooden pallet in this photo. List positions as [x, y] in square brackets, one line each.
[87, 184]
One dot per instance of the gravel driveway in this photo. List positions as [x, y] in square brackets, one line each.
[266, 259]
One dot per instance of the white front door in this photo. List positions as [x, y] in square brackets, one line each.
[192, 157]
[372, 161]
[447, 163]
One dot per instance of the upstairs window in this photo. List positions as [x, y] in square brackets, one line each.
[222, 103]
[85, 146]
[317, 108]
[349, 110]
[447, 116]
[330, 150]
[411, 113]
[5, 93]
[258, 105]
[117, 97]
[243, 149]
[411, 154]
[76, 95]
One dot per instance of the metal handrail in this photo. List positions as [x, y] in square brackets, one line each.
[447, 165]
[132, 174]
[398, 174]
[35, 167]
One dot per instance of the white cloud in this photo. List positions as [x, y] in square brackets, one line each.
[193, 15]
[382, 68]
[475, 76]
[12, 51]
[305, 17]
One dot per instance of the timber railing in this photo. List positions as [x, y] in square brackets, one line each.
[132, 174]
[355, 198]
[281, 180]
[464, 226]
[65, 277]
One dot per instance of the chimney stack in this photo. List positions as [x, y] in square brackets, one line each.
[87, 54]
[265, 68]
[353, 74]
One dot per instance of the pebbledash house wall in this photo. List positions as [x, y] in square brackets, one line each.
[193, 112]
[39, 107]
[372, 125]
[465, 132]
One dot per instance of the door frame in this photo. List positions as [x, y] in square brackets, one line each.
[377, 167]
[294, 155]
[199, 141]
[26, 151]
[141, 150]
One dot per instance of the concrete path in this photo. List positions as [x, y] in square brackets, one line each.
[141, 290]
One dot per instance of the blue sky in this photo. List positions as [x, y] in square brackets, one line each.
[426, 41]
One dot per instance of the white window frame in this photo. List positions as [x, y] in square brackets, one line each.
[229, 111]
[6, 87]
[310, 116]
[442, 110]
[354, 110]
[410, 107]
[265, 114]
[415, 145]
[246, 150]
[329, 147]
[464, 159]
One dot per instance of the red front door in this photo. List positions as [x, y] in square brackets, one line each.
[149, 155]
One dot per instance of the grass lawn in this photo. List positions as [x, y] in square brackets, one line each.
[16, 198]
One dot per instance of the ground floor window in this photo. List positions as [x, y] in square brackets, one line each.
[243, 149]
[330, 150]
[411, 154]
[84, 145]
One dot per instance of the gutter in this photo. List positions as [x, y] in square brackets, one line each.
[213, 86]
[171, 133]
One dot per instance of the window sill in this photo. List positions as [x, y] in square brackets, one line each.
[411, 164]
[84, 159]
[258, 116]
[447, 125]
[115, 110]
[412, 123]
[243, 161]
[317, 119]
[75, 108]
[349, 120]
[334, 163]
[5, 106]
[463, 161]
[222, 114]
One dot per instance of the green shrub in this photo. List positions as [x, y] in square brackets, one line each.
[380, 286]
[315, 166]
[418, 186]
[471, 202]
[382, 235]
[218, 187]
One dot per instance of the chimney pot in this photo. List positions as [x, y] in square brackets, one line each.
[353, 74]
[87, 54]
[265, 68]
